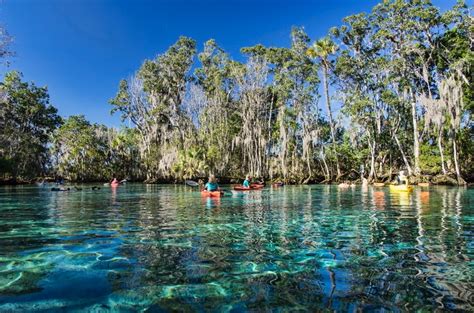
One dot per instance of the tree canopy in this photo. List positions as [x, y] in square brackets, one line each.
[386, 90]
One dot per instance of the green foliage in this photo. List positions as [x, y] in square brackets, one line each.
[387, 68]
[124, 153]
[392, 74]
[398, 73]
[191, 163]
[430, 160]
[460, 52]
[27, 121]
[92, 152]
[322, 49]
[466, 139]
[80, 154]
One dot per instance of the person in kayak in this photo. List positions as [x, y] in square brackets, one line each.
[402, 179]
[59, 181]
[246, 182]
[114, 181]
[211, 185]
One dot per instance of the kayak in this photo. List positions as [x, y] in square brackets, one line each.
[252, 187]
[191, 183]
[277, 184]
[257, 185]
[60, 189]
[213, 194]
[401, 188]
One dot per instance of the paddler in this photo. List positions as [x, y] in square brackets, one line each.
[211, 185]
[402, 178]
[246, 182]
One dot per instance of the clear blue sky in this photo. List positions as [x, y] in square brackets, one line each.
[81, 49]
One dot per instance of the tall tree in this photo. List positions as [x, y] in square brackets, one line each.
[27, 121]
[213, 94]
[79, 152]
[152, 100]
[323, 49]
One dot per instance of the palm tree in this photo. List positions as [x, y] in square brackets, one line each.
[192, 163]
[322, 50]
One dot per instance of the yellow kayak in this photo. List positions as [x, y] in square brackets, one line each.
[401, 188]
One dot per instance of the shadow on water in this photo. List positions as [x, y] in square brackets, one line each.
[289, 248]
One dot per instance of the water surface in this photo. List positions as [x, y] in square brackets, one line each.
[165, 248]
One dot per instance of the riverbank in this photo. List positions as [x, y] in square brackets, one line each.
[440, 180]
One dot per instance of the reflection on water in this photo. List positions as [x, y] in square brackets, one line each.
[296, 247]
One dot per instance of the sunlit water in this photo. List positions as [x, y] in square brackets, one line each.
[165, 248]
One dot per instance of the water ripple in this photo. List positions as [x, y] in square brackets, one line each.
[165, 248]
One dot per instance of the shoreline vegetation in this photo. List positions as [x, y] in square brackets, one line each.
[424, 181]
[383, 91]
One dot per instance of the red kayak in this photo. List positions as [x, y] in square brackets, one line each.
[213, 194]
[252, 187]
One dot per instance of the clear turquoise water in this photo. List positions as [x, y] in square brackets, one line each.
[164, 248]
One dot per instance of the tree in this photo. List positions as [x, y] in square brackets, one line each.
[401, 65]
[152, 101]
[217, 115]
[124, 153]
[252, 95]
[79, 152]
[27, 120]
[401, 72]
[322, 50]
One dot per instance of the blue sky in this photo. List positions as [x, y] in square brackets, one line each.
[81, 49]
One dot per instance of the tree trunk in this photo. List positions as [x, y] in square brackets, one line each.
[269, 143]
[372, 160]
[405, 160]
[416, 136]
[327, 174]
[440, 147]
[331, 123]
[456, 163]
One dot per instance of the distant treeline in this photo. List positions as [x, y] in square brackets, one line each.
[384, 91]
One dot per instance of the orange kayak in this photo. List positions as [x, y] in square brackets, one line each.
[213, 194]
